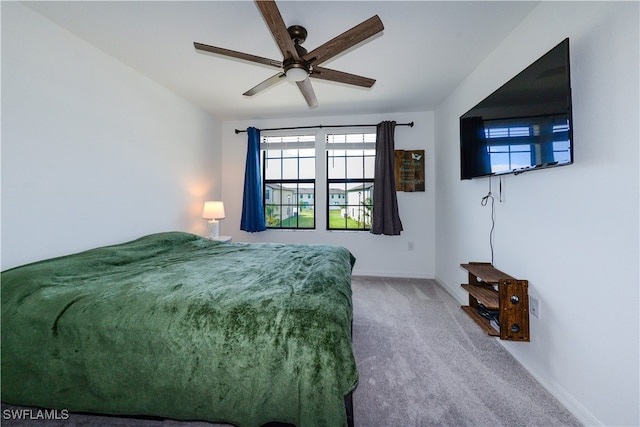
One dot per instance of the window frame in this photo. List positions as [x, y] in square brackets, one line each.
[269, 184]
[367, 183]
[322, 147]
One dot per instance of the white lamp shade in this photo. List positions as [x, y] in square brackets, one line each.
[296, 74]
[213, 210]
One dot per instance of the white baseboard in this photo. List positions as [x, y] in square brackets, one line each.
[548, 383]
[457, 293]
[556, 390]
[403, 274]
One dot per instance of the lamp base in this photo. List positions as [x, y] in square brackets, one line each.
[214, 229]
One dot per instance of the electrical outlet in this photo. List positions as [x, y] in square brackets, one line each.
[534, 307]
[411, 246]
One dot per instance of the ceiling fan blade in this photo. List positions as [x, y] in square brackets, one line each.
[308, 93]
[265, 84]
[341, 77]
[239, 55]
[278, 29]
[346, 40]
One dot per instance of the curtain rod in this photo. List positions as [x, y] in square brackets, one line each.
[410, 124]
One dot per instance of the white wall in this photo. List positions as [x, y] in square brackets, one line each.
[93, 152]
[572, 231]
[376, 255]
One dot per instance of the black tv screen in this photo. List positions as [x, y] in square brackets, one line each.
[524, 125]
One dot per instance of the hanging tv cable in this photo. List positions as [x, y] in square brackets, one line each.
[484, 202]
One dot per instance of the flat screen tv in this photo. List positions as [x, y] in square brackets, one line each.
[524, 125]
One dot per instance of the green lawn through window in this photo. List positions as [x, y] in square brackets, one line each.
[305, 220]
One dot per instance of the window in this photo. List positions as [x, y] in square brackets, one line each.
[514, 146]
[509, 147]
[561, 143]
[289, 179]
[350, 169]
[289, 170]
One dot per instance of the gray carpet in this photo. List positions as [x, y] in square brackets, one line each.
[422, 362]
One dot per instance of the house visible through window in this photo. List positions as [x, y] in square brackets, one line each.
[289, 170]
[289, 179]
[350, 172]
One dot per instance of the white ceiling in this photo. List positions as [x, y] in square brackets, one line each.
[426, 49]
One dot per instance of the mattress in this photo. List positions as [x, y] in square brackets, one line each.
[178, 326]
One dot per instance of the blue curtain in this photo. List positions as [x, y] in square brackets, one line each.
[386, 219]
[252, 207]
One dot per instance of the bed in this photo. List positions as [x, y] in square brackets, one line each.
[178, 326]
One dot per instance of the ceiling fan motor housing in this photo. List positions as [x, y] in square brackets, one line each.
[298, 33]
[297, 69]
[297, 64]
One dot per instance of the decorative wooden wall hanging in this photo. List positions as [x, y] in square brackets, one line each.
[409, 170]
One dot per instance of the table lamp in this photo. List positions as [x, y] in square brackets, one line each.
[213, 211]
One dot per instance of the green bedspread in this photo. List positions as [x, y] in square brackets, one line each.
[178, 326]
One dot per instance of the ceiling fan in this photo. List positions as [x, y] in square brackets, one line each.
[298, 64]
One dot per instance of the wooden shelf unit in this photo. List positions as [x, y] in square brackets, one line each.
[496, 290]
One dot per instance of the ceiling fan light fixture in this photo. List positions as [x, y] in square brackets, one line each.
[298, 65]
[296, 73]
